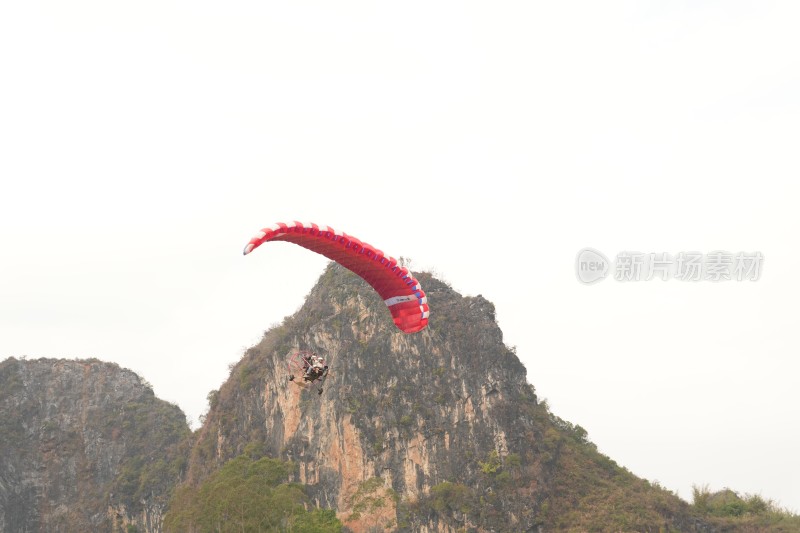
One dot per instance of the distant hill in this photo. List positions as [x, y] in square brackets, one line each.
[85, 446]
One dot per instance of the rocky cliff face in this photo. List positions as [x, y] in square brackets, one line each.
[436, 431]
[85, 446]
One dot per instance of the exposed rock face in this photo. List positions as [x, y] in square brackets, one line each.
[84, 446]
[436, 431]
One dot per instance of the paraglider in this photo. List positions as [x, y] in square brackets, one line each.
[307, 368]
[400, 291]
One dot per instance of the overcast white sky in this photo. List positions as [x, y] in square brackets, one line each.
[143, 143]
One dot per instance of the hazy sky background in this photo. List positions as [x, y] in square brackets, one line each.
[143, 143]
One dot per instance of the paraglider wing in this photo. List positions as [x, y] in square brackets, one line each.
[400, 291]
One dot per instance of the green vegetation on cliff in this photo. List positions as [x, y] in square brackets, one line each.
[249, 493]
[728, 510]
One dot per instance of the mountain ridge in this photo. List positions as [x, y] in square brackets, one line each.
[439, 431]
